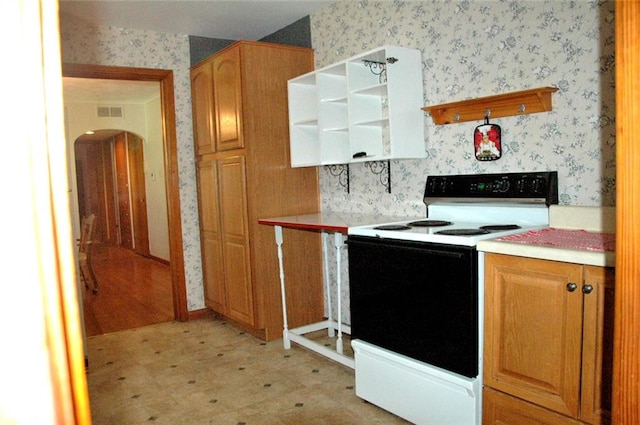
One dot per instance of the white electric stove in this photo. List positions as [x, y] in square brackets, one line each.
[417, 293]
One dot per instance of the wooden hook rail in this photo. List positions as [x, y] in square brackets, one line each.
[502, 105]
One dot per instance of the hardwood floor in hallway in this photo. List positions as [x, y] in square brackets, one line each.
[134, 291]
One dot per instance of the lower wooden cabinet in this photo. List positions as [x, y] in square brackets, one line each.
[235, 239]
[211, 235]
[225, 240]
[548, 340]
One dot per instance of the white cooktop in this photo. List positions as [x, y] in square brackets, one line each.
[464, 216]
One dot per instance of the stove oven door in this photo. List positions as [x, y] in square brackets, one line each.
[417, 299]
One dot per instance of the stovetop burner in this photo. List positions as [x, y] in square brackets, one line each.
[462, 232]
[501, 227]
[429, 223]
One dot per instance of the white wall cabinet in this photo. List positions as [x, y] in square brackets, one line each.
[366, 108]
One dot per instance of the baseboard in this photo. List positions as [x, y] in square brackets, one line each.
[159, 260]
[207, 313]
[203, 313]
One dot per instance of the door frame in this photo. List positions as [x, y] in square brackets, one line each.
[170, 146]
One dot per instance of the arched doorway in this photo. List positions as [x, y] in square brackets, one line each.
[111, 183]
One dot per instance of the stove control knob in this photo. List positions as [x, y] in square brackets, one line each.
[503, 185]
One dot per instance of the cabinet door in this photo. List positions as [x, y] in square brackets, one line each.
[233, 203]
[597, 356]
[211, 238]
[503, 409]
[202, 105]
[533, 330]
[227, 93]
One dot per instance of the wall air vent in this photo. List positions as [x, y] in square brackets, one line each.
[110, 112]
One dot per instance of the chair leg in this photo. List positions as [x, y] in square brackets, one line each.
[93, 278]
[86, 273]
[83, 277]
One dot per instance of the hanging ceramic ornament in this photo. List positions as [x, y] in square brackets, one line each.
[487, 141]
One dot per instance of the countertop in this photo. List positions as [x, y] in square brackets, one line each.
[596, 220]
[330, 221]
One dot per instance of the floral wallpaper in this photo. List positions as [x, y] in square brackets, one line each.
[480, 48]
[112, 46]
[470, 48]
[475, 49]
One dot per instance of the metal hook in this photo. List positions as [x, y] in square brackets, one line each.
[522, 108]
[487, 114]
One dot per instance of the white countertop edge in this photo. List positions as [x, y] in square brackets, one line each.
[593, 258]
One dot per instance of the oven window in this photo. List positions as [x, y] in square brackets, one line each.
[417, 299]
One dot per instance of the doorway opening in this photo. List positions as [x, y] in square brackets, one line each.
[170, 171]
[130, 246]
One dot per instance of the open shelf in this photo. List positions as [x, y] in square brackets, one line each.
[367, 103]
[502, 105]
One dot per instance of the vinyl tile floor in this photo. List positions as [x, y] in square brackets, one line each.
[208, 372]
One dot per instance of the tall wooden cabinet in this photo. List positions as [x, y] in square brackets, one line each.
[242, 147]
[548, 342]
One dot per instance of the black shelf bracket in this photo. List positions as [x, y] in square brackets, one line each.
[383, 170]
[341, 171]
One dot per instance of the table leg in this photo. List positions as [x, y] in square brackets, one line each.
[338, 244]
[327, 285]
[285, 324]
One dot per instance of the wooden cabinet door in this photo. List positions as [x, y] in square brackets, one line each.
[211, 237]
[597, 355]
[533, 330]
[202, 106]
[235, 231]
[502, 409]
[227, 93]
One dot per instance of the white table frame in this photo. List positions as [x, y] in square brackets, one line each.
[333, 326]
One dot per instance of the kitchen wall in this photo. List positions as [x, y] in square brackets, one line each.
[112, 46]
[155, 179]
[480, 48]
[297, 33]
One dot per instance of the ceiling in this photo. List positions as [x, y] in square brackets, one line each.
[91, 90]
[230, 20]
[109, 93]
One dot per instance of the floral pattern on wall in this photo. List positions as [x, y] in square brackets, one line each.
[480, 48]
[469, 49]
[112, 46]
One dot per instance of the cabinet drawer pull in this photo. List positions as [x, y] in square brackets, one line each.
[587, 289]
[571, 286]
